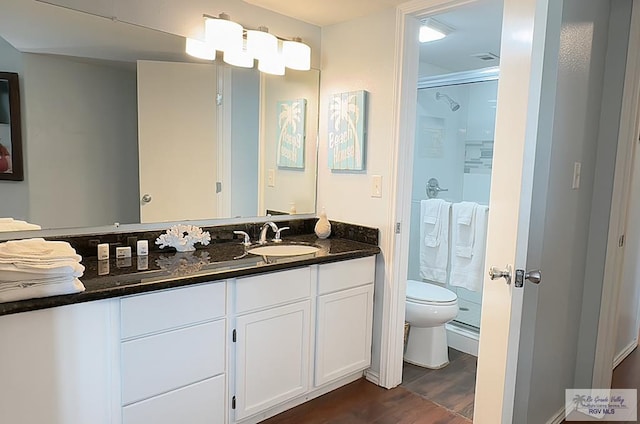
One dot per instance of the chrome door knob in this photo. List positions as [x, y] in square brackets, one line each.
[495, 273]
[146, 198]
[533, 276]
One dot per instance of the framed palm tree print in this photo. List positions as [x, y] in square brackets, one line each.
[347, 131]
[291, 133]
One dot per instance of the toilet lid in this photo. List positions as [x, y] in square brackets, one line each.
[425, 292]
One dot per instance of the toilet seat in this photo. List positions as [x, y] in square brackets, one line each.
[429, 294]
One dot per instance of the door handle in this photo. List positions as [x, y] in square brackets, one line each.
[495, 273]
[534, 277]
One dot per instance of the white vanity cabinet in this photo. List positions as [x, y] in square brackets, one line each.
[344, 319]
[55, 364]
[173, 356]
[272, 339]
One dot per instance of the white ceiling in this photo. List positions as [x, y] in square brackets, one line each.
[325, 12]
[38, 27]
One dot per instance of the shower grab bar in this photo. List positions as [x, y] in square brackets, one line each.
[433, 188]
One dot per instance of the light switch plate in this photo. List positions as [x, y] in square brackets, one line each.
[376, 186]
[576, 175]
[271, 178]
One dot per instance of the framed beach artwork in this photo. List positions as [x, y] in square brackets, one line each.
[292, 117]
[347, 131]
[10, 128]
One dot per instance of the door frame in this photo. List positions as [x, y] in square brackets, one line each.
[392, 341]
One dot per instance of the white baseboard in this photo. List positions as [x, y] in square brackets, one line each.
[372, 376]
[462, 339]
[625, 352]
[558, 417]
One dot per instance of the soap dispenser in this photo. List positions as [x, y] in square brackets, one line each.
[323, 226]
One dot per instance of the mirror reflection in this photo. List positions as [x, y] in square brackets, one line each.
[132, 130]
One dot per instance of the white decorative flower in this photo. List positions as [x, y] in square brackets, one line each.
[183, 237]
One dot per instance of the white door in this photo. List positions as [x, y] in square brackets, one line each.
[177, 141]
[518, 111]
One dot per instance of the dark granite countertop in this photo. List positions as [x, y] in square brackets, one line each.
[162, 270]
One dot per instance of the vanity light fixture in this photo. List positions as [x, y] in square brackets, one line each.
[261, 44]
[240, 58]
[200, 49]
[296, 54]
[223, 34]
[240, 47]
[432, 30]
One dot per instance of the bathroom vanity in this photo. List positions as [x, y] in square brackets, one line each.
[232, 345]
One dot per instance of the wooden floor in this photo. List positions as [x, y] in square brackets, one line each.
[625, 376]
[425, 397]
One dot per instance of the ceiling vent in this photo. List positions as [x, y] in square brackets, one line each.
[486, 56]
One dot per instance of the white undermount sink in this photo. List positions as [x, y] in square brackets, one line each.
[283, 250]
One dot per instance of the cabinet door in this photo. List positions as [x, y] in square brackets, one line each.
[343, 338]
[56, 364]
[200, 403]
[272, 357]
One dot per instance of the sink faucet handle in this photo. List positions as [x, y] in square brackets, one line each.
[247, 239]
[277, 239]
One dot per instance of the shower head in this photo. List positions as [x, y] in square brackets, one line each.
[452, 103]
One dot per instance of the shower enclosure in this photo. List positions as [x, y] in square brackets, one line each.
[452, 159]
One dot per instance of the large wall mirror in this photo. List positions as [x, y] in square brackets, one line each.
[120, 125]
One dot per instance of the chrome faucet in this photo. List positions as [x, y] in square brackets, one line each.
[263, 231]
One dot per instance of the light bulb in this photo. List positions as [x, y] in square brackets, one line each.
[200, 49]
[261, 44]
[297, 55]
[223, 34]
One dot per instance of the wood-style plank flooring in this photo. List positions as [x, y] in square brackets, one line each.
[625, 376]
[450, 397]
[362, 402]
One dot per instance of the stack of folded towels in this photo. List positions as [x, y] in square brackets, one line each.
[10, 224]
[36, 267]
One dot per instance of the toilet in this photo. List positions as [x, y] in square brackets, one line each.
[428, 308]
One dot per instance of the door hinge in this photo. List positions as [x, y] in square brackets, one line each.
[219, 99]
[621, 241]
[397, 228]
[233, 402]
[233, 335]
[218, 186]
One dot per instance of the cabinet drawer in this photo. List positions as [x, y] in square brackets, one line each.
[164, 362]
[343, 275]
[266, 290]
[167, 309]
[200, 403]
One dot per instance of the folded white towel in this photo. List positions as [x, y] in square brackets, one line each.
[21, 272]
[465, 212]
[434, 240]
[37, 249]
[463, 234]
[26, 290]
[469, 241]
[10, 224]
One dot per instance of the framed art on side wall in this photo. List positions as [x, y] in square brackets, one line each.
[10, 128]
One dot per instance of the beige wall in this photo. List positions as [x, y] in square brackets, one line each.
[359, 55]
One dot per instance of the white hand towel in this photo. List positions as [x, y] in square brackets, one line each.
[21, 272]
[37, 249]
[463, 233]
[468, 271]
[434, 239]
[10, 224]
[25, 290]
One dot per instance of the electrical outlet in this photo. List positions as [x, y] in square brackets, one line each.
[271, 178]
[376, 186]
